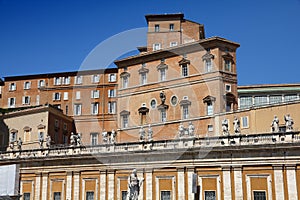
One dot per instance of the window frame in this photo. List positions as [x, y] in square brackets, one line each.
[163, 115]
[27, 85]
[14, 102]
[171, 27]
[156, 46]
[12, 86]
[184, 70]
[156, 28]
[77, 110]
[94, 138]
[110, 79]
[95, 108]
[125, 118]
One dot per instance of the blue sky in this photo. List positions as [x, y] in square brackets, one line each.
[57, 35]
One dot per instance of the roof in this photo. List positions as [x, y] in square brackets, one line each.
[269, 88]
[158, 17]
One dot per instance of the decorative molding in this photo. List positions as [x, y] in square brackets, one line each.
[124, 112]
[125, 74]
[208, 56]
[185, 102]
[208, 99]
[184, 61]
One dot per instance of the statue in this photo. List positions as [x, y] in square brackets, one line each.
[225, 127]
[288, 123]
[150, 133]
[72, 139]
[275, 124]
[134, 185]
[236, 125]
[41, 140]
[162, 97]
[20, 142]
[48, 141]
[191, 129]
[113, 136]
[180, 130]
[142, 134]
[78, 139]
[104, 136]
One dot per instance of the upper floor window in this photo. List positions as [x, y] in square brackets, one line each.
[77, 109]
[12, 86]
[78, 95]
[246, 102]
[66, 95]
[112, 78]
[66, 80]
[57, 81]
[208, 66]
[156, 46]
[125, 79]
[124, 118]
[94, 108]
[26, 196]
[41, 83]
[156, 27]
[56, 96]
[162, 74]
[171, 27]
[143, 78]
[143, 71]
[163, 115]
[228, 60]
[78, 80]
[162, 69]
[112, 93]
[94, 138]
[26, 100]
[207, 58]
[227, 65]
[95, 94]
[13, 135]
[112, 107]
[27, 85]
[95, 78]
[184, 66]
[173, 44]
[210, 195]
[12, 102]
[185, 104]
[209, 100]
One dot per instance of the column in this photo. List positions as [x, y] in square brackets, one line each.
[278, 181]
[291, 182]
[37, 192]
[44, 186]
[190, 172]
[140, 176]
[149, 184]
[180, 184]
[76, 185]
[111, 185]
[69, 186]
[102, 185]
[227, 183]
[238, 183]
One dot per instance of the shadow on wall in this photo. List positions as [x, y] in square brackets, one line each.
[4, 135]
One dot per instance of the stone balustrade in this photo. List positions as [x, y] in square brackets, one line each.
[182, 143]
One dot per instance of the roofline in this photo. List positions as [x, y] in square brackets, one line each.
[269, 85]
[166, 15]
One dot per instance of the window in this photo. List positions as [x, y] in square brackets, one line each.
[41, 83]
[94, 138]
[153, 103]
[184, 70]
[143, 78]
[275, 99]
[89, 195]
[165, 195]
[245, 123]
[173, 44]
[209, 195]
[245, 102]
[290, 97]
[95, 78]
[37, 100]
[112, 107]
[156, 46]
[171, 27]
[27, 85]
[185, 112]
[11, 102]
[210, 108]
[162, 74]
[12, 86]
[210, 128]
[26, 196]
[27, 135]
[260, 100]
[94, 108]
[56, 96]
[156, 28]
[174, 100]
[66, 95]
[124, 195]
[163, 115]
[227, 65]
[112, 93]
[26, 100]
[56, 196]
[13, 136]
[125, 121]
[208, 65]
[112, 77]
[77, 95]
[57, 81]
[78, 80]
[95, 94]
[67, 109]
[56, 123]
[125, 81]
[41, 135]
[66, 80]
[65, 127]
[259, 195]
[227, 87]
[77, 109]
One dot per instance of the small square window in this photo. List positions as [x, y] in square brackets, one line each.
[227, 87]
[259, 195]
[156, 46]
[210, 128]
[26, 196]
[171, 27]
[12, 86]
[165, 195]
[95, 94]
[173, 44]
[210, 195]
[112, 77]
[27, 85]
[56, 196]
[156, 28]
[245, 122]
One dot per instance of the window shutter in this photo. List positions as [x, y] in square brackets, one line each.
[23, 100]
[109, 93]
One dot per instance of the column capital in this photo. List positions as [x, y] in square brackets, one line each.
[190, 169]
[76, 172]
[277, 167]
[226, 168]
[149, 170]
[102, 171]
[111, 171]
[290, 167]
[237, 168]
[180, 169]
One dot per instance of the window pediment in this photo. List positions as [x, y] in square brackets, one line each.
[124, 112]
[143, 110]
[184, 61]
[13, 130]
[161, 66]
[41, 126]
[143, 70]
[208, 99]
[185, 102]
[228, 56]
[124, 74]
[208, 56]
[27, 128]
[162, 107]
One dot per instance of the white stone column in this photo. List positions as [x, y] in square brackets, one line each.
[190, 172]
[180, 184]
[278, 181]
[44, 186]
[291, 182]
[69, 186]
[238, 183]
[102, 185]
[111, 185]
[76, 185]
[37, 192]
[149, 184]
[140, 176]
[227, 183]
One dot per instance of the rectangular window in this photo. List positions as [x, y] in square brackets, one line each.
[125, 121]
[26, 100]
[13, 136]
[56, 196]
[184, 70]
[125, 82]
[78, 80]
[89, 195]
[260, 100]
[173, 44]
[185, 112]
[227, 65]
[245, 102]
[57, 81]
[41, 83]
[94, 108]
[210, 108]
[156, 28]
[245, 123]
[163, 115]
[56, 96]
[77, 109]
[210, 195]
[95, 94]
[67, 109]
[112, 78]
[56, 123]
[65, 126]
[11, 102]
[66, 95]
[26, 196]
[95, 78]
[112, 107]
[275, 99]
[66, 80]
[124, 195]
[12, 86]
[77, 95]
[112, 93]
[37, 100]
[94, 138]
[165, 195]
[171, 27]
[27, 85]
[27, 136]
[208, 65]
[210, 128]
[291, 97]
[227, 87]
[156, 46]
[162, 74]
[143, 78]
[259, 195]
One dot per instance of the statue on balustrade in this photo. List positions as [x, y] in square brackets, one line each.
[191, 129]
[275, 124]
[288, 123]
[72, 139]
[78, 139]
[150, 133]
[236, 125]
[180, 130]
[20, 142]
[142, 134]
[41, 139]
[48, 141]
[134, 185]
[113, 136]
[225, 127]
[104, 136]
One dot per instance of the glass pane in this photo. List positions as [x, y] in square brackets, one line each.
[290, 97]
[260, 100]
[26, 196]
[245, 102]
[165, 195]
[124, 195]
[209, 195]
[56, 196]
[89, 195]
[259, 195]
[275, 99]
